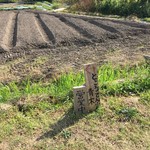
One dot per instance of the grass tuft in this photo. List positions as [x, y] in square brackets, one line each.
[145, 97]
[127, 114]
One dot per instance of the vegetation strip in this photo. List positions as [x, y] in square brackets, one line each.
[112, 81]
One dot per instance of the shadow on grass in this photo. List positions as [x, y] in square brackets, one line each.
[67, 120]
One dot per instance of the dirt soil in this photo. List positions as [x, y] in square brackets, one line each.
[42, 43]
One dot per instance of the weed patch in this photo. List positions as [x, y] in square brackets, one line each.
[145, 97]
[116, 7]
[112, 80]
[46, 108]
[126, 114]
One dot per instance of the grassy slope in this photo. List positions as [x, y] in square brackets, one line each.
[37, 115]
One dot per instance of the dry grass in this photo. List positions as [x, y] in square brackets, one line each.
[42, 121]
[57, 127]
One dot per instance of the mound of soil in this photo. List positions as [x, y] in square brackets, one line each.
[67, 40]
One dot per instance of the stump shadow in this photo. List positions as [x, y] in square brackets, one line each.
[67, 120]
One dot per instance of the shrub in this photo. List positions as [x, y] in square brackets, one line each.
[140, 8]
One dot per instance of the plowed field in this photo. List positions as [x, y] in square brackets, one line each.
[68, 39]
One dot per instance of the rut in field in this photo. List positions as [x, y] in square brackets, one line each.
[79, 29]
[27, 30]
[45, 32]
[10, 32]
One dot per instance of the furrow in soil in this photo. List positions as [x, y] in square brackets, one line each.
[64, 34]
[123, 29]
[132, 24]
[105, 27]
[46, 34]
[78, 28]
[9, 38]
[93, 32]
[28, 35]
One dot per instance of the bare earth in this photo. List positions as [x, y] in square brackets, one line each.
[66, 41]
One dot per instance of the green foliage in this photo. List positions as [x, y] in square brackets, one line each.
[66, 134]
[112, 80]
[7, 1]
[124, 81]
[140, 8]
[128, 87]
[25, 1]
[147, 19]
[62, 88]
[125, 8]
[8, 91]
[145, 97]
[69, 1]
[126, 114]
[55, 5]
[48, 5]
[115, 104]
[46, 107]
[99, 113]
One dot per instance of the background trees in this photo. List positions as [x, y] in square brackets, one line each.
[140, 8]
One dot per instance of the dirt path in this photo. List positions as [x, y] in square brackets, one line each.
[66, 41]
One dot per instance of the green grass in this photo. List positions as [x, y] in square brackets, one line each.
[40, 5]
[145, 97]
[41, 113]
[44, 5]
[4, 1]
[147, 19]
[112, 81]
[48, 6]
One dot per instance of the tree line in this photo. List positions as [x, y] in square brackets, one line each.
[140, 8]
